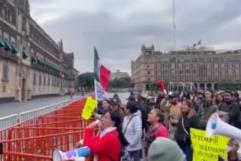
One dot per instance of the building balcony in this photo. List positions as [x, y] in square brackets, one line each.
[44, 68]
[8, 50]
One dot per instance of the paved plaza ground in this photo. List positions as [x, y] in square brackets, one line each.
[17, 107]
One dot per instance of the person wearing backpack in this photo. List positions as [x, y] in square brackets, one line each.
[132, 130]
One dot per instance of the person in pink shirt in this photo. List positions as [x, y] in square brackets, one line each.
[156, 128]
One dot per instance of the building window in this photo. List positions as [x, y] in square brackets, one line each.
[53, 82]
[5, 73]
[40, 79]
[49, 80]
[44, 80]
[1, 9]
[4, 89]
[56, 82]
[34, 78]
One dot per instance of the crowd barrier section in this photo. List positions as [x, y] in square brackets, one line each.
[34, 135]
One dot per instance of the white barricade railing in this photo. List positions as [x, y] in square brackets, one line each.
[8, 121]
[14, 119]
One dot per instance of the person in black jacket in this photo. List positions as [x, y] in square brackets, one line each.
[188, 120]
[231, 108]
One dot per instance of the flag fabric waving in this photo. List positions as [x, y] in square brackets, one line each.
[161, 85]
[199, 43]
[96, 65]
[105, 75]
[100, 93]
[101, 73]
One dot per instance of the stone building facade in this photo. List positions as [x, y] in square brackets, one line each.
[32, 64]
[192, 68]
[118, 75]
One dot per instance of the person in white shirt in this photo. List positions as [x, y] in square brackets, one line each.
[132, 130]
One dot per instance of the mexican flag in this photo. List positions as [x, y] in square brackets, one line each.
[101, 73]
[100, 93]
[96, 65]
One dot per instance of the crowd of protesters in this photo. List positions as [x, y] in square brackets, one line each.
[157, 127]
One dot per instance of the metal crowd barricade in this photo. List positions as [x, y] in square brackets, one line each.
[33, 135]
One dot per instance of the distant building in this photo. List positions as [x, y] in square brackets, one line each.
[32, 64]
[118, 74]
[192, 68]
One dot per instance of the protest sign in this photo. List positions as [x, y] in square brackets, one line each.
[208, 148]
[89, 108]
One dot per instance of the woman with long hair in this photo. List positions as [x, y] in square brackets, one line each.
[132, 129]
[218, 99]
[188, 120]
[107, 145]
[156, 128]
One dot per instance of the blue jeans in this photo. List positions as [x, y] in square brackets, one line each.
[187, 150]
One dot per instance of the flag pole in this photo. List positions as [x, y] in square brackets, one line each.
[174, 23]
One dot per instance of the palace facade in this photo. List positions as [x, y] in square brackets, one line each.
[191, 68]
[32, 64]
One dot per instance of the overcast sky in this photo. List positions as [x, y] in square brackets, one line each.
[118, 28]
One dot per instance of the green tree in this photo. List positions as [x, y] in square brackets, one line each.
[86, 81]
[124, 82]
[153, 86]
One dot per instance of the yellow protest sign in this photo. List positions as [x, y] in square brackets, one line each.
[208, 148]
[89, 108]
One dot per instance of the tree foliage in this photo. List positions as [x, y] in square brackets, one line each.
[121, 83]
[229, 86]
[86, 81]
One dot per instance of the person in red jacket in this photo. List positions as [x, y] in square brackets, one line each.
[106, 146]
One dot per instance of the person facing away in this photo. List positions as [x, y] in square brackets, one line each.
[117, 108]
[188, 120]
[143, 108]
[110, 134]
[131, 97]
[164, 149]
[116, 99]
[132, 130]
[156, 128]
[174, 113]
